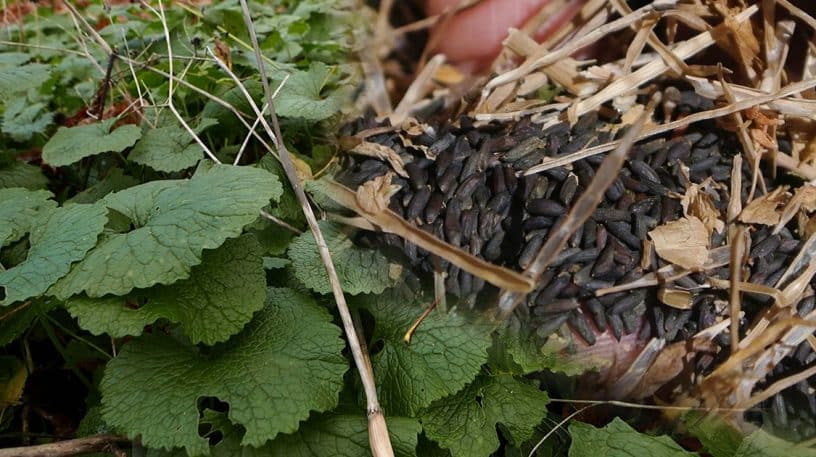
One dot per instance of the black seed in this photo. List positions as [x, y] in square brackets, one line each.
[703, 165]
[611, 215]
[598, 313]
[544, 207]
[419, 202]
[549, 326]
[622, 231]
[626, 304]
[616, 325]
[443, 161]
[766, 246]
[530, 251]
[465, 190]
[585, 255]
[448, 180]
[525, 148]
[537, 222]
[578, 321]
[434, 207]
[492, 250]
[568, 189]
[500, 203]
[469, 222]
[615, 191]
[453, 230]
[558, 306]
[442, 143]
[679, 149]
[644, 171]
[418, 175]
[605, 263]
[552, 290]
[564, 255]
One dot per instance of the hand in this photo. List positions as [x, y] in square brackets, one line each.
[472, 37]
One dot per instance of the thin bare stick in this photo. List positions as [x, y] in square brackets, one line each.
[170, 104]
[410, 333]
[378, 430]
[280, 222]
[579, 213]
[85, 445]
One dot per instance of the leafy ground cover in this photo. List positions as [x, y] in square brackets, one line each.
[160, 286]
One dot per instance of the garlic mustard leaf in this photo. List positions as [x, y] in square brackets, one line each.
[214, 303]
[445, 353]
[18, 211]
[286, 363]
[360, 270]
[173, 222]
[465, 423]
[57, 239]
[618, 439]
[72, 144]
[168, 148]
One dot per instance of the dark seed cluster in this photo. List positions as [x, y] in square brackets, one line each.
[466, 185]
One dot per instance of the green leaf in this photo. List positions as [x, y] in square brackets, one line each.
[445, 354]
[23, 119]
[302, 95]
[361, 271]
[57, 240]
[618, 439]
[721, 439]
[342, 435]
[325, 435]
[516, 351]
[286, 363]
[19, 174]
[14, 80]
[214, 303]
[18, 211]
[168, 148]
[762, 444]
[465, 423]
[71, 144]
[175, 220]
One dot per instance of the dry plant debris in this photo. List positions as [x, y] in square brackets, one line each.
[720, 181]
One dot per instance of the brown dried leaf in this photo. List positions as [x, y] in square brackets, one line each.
[698, 203]
[222, 51]
[448, 75]
[374, 195]
[382, 152]
[669, 364]
[683, 242]
[676, 298]
[763, 210]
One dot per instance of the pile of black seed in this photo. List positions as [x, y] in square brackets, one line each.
[466, 185]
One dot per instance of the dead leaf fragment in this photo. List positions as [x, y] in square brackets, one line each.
[374, 196]
[763, 209]
[683, 242]
[698, 203]
[382, 152]
[676, 298]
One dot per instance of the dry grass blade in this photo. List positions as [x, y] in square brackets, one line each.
[377, 427]
[579, 213]
[738, 242]
[390, 222]
[783, 160]
[717, 257]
